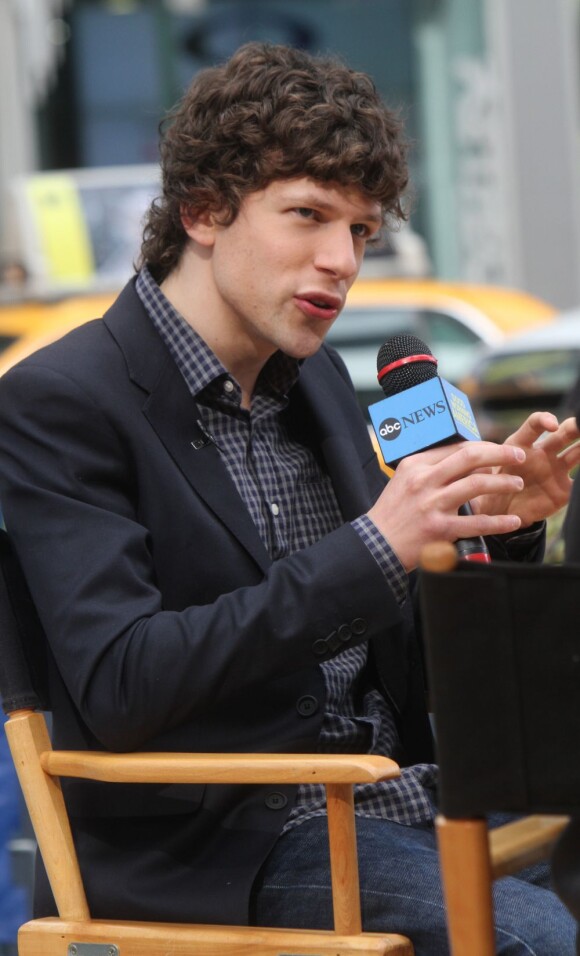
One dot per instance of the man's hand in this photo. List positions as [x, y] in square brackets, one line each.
[552, 450]
[510, 486]
[421, 501]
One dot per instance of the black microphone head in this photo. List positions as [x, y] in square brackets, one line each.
[404, 361]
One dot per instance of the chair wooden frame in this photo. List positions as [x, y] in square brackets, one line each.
[471, 856]
[39, 768]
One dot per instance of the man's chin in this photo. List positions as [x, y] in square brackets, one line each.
[305, 349]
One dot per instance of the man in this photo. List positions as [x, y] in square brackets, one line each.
[205, 530]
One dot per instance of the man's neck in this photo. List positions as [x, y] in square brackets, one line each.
[188, 290]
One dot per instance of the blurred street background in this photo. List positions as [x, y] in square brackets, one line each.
[488, 90]
[487, 270]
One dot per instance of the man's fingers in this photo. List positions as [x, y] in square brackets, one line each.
[477, 485]
[484, 525]
[571, 455]
[468, 457]
[566, 434]
[534, 426]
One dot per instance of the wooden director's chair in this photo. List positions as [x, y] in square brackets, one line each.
[503, 660]
[39, 768]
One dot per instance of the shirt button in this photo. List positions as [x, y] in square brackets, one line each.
[228, 386]
[274, 508]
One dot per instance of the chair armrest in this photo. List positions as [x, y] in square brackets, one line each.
[219, 768]
[523, 842]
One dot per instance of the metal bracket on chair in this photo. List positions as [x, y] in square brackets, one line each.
[92, 949]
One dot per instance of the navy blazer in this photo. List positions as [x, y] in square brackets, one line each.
[169, 627]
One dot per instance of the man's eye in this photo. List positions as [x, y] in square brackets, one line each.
[305, 212]
[360, 230]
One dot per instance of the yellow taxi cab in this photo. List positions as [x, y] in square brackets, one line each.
[21, 318]
[454, 319]
[28, 324]
[508, 309]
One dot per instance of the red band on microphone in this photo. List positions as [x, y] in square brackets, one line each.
[405, 361]
[482, 556]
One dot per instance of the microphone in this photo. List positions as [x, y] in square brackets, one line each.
[421, 410]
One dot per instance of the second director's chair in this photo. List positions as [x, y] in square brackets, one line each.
[503, 658]
[39, 768]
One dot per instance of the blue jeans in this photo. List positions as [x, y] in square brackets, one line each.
[401, 891]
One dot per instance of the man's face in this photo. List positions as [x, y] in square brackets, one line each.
[280, 272]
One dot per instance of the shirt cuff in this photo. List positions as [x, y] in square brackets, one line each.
[393, 571]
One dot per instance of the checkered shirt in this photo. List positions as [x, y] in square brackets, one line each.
[292, 503]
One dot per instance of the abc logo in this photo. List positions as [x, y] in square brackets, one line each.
[389, 429]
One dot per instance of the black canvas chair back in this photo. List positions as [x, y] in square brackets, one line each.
[23, 651]
[503, 655]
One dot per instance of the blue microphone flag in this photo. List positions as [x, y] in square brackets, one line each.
[422, 416]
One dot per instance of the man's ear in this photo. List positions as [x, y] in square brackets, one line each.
[199, 226]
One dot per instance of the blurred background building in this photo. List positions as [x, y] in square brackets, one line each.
[488, 89]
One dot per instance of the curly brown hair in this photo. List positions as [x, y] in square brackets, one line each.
[270, 112]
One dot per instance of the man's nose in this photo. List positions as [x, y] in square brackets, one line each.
[338, 254]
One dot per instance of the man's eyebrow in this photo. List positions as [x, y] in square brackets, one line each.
[372, 217]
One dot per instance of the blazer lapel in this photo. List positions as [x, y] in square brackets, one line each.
[172, 412]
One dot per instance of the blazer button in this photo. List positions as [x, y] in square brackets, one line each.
[276, 800]
[344, 633]
[359, 626]
[333, 641]
[320, 647]
[307, 705]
